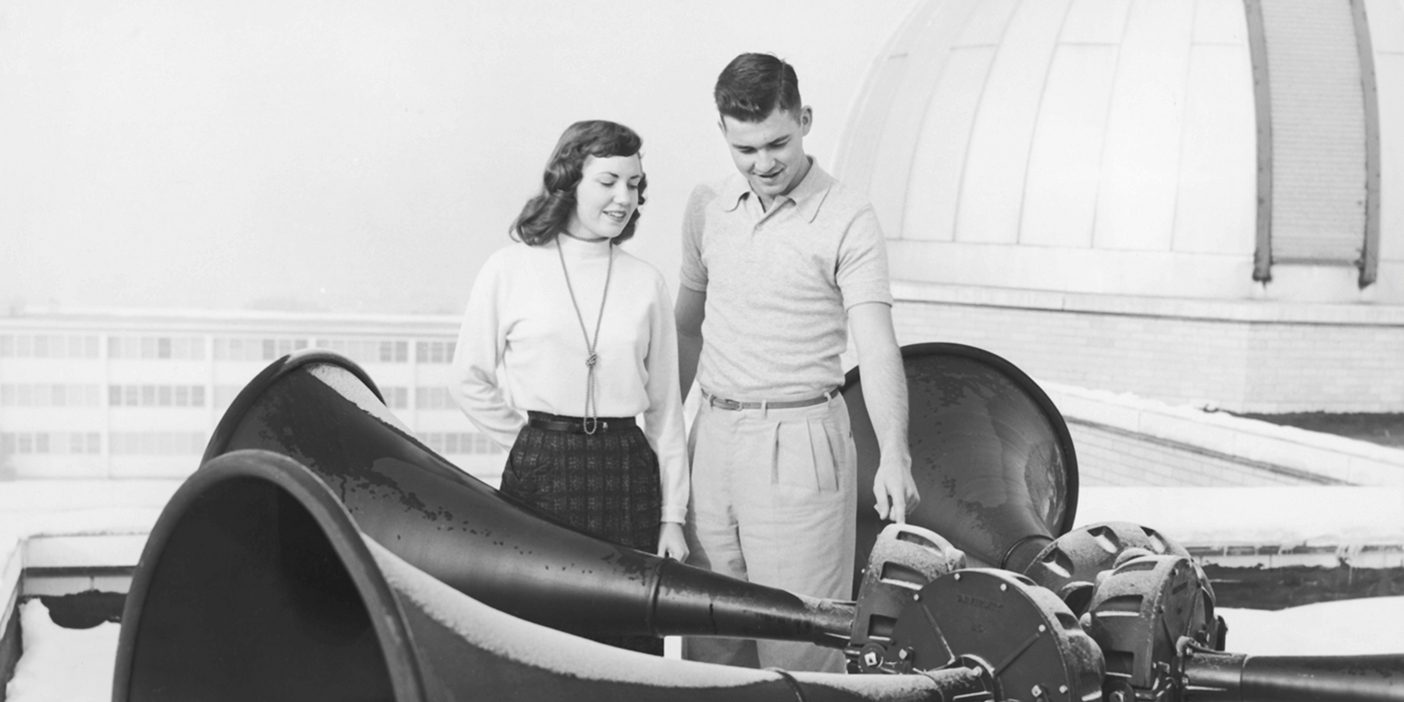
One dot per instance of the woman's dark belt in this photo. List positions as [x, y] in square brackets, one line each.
[576, 425]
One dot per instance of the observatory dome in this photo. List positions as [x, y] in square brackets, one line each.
[1214, 149]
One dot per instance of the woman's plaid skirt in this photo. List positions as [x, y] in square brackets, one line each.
[604, 484]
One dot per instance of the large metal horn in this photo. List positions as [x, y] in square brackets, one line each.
[1152, 616]
[1216, 676]
[991, 456]
[324, 412]
[255, 584]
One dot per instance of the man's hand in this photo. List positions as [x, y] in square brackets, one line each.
[895, 490]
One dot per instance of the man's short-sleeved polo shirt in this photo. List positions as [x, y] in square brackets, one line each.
[779, 283]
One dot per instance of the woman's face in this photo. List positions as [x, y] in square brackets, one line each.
[606, 197]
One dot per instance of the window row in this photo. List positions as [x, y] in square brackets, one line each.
[49, 346]
[49, 442]
[368, 350]
[186, 443]
[60, 395]
[434, 351]
[255, 349]
[175, 347]
[426, 397]
[158, 443]
[183, 348]
[61, 346]
[450, 443]
[156, 395]
[433, 398]
[49, 395]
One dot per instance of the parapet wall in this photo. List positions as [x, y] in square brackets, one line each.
[1260, 356]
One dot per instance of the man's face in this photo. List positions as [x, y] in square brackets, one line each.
[770, 153]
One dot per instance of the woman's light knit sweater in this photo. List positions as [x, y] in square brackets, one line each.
[521, 348]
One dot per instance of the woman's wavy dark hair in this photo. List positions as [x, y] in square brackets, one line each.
[546, 214]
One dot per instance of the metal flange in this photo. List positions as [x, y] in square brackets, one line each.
[1139, 612]
[1026, 640]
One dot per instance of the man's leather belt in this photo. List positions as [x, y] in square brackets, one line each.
[724, 403]
[576, 425]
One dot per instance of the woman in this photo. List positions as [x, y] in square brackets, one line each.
[582, 333]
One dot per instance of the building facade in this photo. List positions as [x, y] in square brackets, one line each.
[137, 394]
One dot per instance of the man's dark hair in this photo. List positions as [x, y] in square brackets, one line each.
[754, 85]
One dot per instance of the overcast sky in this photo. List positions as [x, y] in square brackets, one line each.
[357, 155]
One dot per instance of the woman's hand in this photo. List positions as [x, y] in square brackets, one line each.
[671, 543]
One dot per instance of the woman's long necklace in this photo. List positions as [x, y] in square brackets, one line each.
[590, 418]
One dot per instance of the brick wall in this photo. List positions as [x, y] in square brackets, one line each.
[1242, 356]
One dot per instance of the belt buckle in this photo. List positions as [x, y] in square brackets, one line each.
[723, 403]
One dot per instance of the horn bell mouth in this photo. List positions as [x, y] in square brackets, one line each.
[991, 455]
[254, 582]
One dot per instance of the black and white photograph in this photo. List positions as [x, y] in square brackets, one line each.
[745, 350]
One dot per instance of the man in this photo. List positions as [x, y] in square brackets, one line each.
[775, 261]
